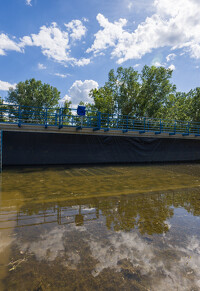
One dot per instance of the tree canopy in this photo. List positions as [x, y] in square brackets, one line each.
[33, 93]
[150, 93]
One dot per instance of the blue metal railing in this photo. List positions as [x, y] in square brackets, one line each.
[62, 117]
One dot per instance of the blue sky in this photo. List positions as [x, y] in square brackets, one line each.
[72, 45]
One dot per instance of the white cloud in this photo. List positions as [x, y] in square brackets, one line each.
[77, 29]
[55, 43]
[61, 75]
[109, 36]
[172, 67]
[79, 91]
[136, 65]
[28, 2]
[170, 57]
[175, 24]
[65, 98]
[130, 5]
[85, 19]
[4, 86]
[157, 64]
[41, 66]
[7, 44]
[82, 62]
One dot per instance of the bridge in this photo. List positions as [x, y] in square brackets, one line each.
[22, 122]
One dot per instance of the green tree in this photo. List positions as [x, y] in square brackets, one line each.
[66, 111]
[155, 90]
[33, 93]
[129, 93]
[2, 108]
[29, 94]
[66, 107]
[177, 107]
[103, 100]
[194, 104]
[127, 89]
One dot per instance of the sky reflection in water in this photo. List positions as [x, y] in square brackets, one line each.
[98, 228]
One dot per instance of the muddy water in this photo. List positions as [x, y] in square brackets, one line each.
[100, 228]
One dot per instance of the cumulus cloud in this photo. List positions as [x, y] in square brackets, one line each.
[82, 62]
[175, 24]
[109, 35]
[157, 64]
[65, 98]
[5, 86]
[79, 91]
[77, 29]
[7, 44]
[55, 43]
[41, 66]
[172, 67]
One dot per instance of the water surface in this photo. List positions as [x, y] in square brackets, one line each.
[100, 228]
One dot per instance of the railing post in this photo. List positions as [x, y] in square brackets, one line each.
[144, 122]
[19, 116]
[175, 127]
[99, 119]
[133, 123]
[160, 125]
[56, 116]
[127, 122]
[60, 118]
[188, 128]
[45, 123]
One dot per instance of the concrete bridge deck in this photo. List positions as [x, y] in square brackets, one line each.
[91, 131]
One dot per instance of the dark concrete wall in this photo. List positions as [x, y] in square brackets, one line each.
[26, 148]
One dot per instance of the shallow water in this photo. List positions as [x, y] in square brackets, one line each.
[100, 228]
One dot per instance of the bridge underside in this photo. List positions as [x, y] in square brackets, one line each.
[24, 146]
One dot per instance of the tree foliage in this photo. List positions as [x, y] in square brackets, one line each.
[129, 93]
[149, 93]
[33, 93]
[155, 91]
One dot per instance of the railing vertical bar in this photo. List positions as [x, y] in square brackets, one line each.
[99, 119]
[60, 118]
[46, 112]
[19, 116]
